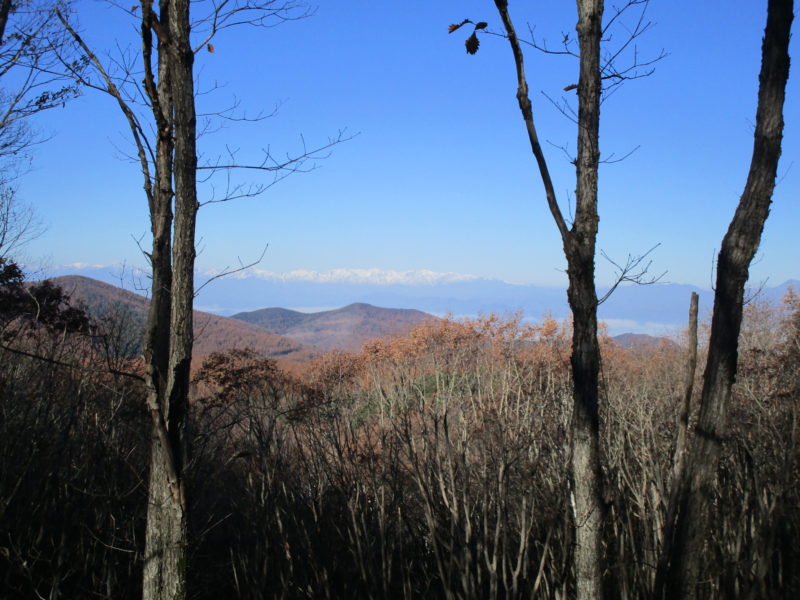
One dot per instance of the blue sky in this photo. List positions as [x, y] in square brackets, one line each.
[440, 176]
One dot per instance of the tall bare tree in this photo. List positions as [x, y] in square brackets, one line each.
[579, 242]
[695, 497]
[170, 38]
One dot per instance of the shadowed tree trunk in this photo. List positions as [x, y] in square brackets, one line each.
[164, 571]
[168, 162]
[5, 8]
[696, 494]
[579, 248]
[169, 335]
[681, 446]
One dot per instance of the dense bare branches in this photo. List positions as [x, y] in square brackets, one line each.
[635, 270]
[386, 473]
[18, 224]
[224, 14]
[31, 45]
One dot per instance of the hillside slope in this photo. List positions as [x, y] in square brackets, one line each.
[212, 333]
[641, 341]
[345, 328]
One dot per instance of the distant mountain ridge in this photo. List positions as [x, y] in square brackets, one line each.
[273, 332]
[658, 309]
[212, 332]
[344, 328]
[642, 341]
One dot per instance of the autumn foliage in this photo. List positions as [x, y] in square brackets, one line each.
[432, 465]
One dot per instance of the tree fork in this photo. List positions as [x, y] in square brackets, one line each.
[579, 249]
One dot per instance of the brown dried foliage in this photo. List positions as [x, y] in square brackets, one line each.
[427, 466]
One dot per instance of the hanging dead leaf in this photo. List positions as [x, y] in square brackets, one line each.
[472, 43]
[210, 48]
[481, 25]
[134, 8]
[455, 26]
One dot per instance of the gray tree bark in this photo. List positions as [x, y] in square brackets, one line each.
[579, 248]
[168, 346]
[695, 503]
[169, 167]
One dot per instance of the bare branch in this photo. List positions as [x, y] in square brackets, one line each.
[18, 225]
[611, 160]
[31, 39]
[140, 139]
[524, 102]
[61, 363]
[279, 168]
[254, 13]
[610, 70]
[633, 271]
[228, 271]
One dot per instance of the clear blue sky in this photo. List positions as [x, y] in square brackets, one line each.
[440, 176]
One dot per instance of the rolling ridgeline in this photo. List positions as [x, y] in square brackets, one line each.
[431, 464]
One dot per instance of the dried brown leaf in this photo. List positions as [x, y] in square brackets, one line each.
[472, 43]
[210, 48]
[455, 26]
[481, 25]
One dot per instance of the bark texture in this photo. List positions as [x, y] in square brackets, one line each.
[695, 506]
[579, 248]
[679, 456]
[579, 243]
[168, 347]
[5, 9]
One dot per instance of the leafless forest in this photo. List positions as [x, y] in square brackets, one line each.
[429, 466]
[490, 458]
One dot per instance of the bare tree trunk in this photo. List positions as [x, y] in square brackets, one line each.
[682, 438]
[185, 168]
[167, 534]
[737, 251]
[169, 167]
[585, 474]
[579, 249]
[5, 9]
[679, 456]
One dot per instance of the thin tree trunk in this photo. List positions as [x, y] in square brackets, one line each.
[166, 534]
[185, 168]
[183, 254]
[738, 248]
[679, 456]
[579, 249]
[172, 513]
[681, 443]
